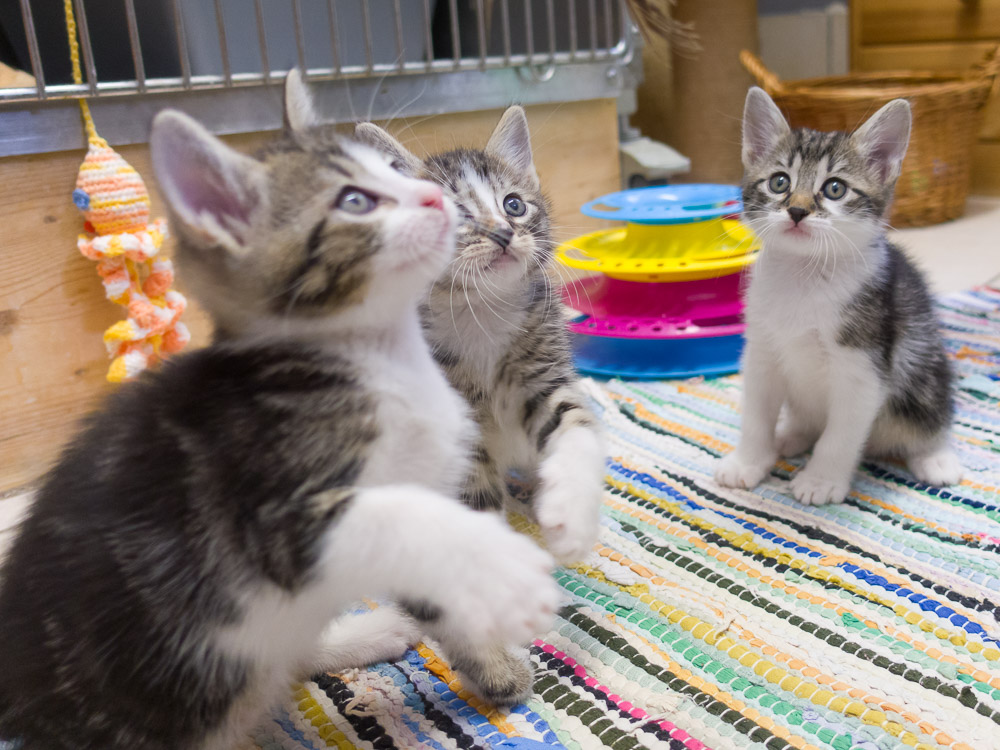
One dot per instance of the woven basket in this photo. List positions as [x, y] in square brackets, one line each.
[947, 112]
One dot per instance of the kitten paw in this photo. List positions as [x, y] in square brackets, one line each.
[791, 442]
[569, 516]
[500, 676]
[812, 488]
[568, 504]
[382, 635]
[939, 469]
[500, 587]
[733, 471]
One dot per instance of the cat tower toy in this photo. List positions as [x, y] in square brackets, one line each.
[662, 294]
[126, 246]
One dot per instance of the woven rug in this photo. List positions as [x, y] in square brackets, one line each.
[711, 618]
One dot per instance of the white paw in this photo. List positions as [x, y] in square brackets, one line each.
[791, 442]
[384, 634]
[498, 587]
[568, 505]
[569, 523]
[813, 488]
[733, 471]
[939, 469]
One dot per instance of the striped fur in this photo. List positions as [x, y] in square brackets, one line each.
[495, 326]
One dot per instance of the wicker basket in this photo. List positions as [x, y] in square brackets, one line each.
[947, 112]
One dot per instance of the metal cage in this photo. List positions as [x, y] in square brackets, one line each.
[367, 59]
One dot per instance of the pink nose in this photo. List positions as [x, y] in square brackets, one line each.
[431, 196]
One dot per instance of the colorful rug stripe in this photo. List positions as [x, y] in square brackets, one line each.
[716, 619]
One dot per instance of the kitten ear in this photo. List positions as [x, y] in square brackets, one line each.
[511, 142]
[883, 139]
[300, 112]
[214, 192]
[763, 126]
[378, 138]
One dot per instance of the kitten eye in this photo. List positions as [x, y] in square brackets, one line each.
[354, 201]
[834, 189]
[779, 182]
[514, 206]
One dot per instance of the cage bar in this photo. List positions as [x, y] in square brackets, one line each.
[36, 58]
[331, 14]
[481, 28]
[181, 36]
[571, 18]
[456, 44]
[300, 47]
[265, 62]
[227, 71]
[397, 15]
[135, 46]
[366, 23]
[505, 29]
[529, 30]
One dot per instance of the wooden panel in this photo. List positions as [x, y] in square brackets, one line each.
[52, 307]
[895, 21]
[935, 56]
[986, 168]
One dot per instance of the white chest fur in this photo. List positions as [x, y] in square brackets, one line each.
[425, 429]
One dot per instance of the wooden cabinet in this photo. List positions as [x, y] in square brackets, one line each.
[935, 35]
[911, 21]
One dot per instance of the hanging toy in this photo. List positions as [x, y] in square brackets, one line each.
[115, 204]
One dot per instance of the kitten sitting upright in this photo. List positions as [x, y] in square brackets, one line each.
[841, 330]
[180, 563]
[495, 324]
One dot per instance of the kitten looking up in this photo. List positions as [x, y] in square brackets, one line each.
[180, 564]
[496, 327]
[843, 352]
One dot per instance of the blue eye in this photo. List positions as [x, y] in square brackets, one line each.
[834, 189]
[779, 182]
[514, 206]
[354, 201]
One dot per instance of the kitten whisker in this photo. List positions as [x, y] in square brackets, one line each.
[468, 302]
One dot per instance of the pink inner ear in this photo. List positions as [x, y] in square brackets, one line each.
[206, 187]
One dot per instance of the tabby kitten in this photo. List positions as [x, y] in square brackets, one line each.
[496, 327]
[843, 350]
[182, 560]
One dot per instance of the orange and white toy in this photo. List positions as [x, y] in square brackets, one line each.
[115, 203]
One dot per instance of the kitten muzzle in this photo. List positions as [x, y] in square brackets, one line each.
[500, 235]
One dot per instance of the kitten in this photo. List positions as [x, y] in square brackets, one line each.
[182, 560]
[496, 326]
[842, 340]
[497, 329]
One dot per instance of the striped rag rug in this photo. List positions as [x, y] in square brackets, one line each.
[712, 618]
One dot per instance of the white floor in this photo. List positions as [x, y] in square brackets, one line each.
[959, 254]
[955, 256]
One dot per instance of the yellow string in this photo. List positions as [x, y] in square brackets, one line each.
[74, 56]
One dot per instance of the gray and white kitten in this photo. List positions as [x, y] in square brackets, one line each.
[843, 350]
[181, 563]
[496, 328]
[495, 324]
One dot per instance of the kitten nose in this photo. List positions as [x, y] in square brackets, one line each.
[500, 235]
[430, 196]
[797, 214]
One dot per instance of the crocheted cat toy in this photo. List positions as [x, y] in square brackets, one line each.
[115, 203]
